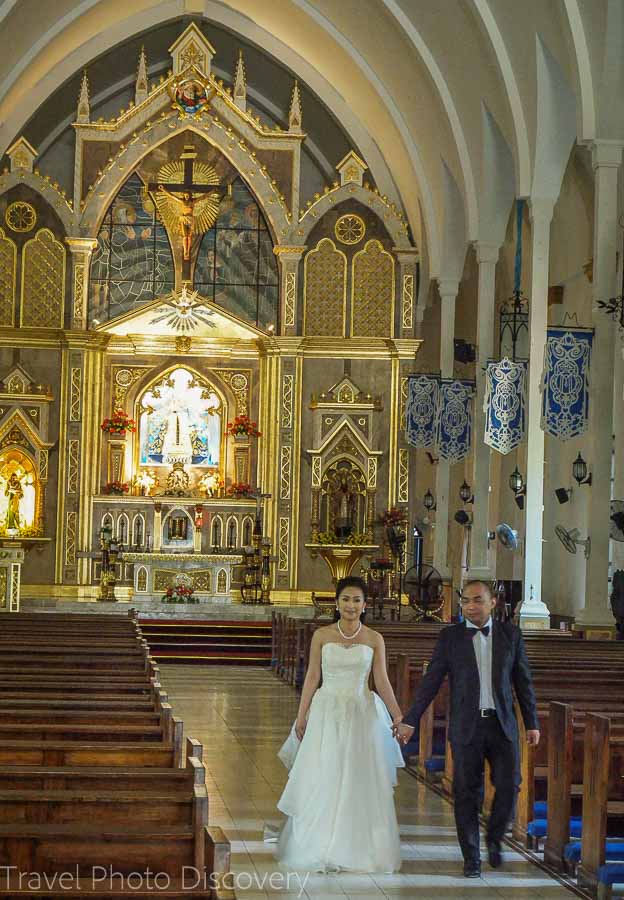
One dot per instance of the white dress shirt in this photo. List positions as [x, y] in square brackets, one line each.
[483, 653]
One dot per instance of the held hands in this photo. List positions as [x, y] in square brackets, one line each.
[401, 731]
[532, 737]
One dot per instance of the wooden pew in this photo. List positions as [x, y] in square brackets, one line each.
[603, 771]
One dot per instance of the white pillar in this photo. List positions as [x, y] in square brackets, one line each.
[480, 567]
[448, 294]
[606, 158]
[535, 613]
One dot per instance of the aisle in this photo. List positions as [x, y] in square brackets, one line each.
[241, 715]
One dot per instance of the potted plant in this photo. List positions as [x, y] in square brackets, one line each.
[393, 517]
[179, 593]
[116, 487]
[118, 423]
[243, 426]
[239, 489]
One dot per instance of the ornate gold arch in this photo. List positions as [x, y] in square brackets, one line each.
[104, 190]
[143, 385]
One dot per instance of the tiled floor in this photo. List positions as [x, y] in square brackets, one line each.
[242, 715]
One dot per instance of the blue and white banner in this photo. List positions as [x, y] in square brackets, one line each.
[565, 386]
[421, 412]
[455, 419]
[504, 404]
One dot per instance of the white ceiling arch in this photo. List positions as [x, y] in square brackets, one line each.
[397, 75]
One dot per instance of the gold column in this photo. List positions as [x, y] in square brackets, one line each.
[62, 466]
[296, 473]
[395, 401]
[81, 250]
[91, 448]
[406, 287]
[289, 258]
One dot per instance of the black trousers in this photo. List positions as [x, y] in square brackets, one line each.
[489, 742]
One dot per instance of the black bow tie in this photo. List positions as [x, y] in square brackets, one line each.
[472, 630]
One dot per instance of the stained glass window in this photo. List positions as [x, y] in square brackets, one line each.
[236, 267]
[132, 263]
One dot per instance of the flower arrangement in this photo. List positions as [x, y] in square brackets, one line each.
[382, 563]
[116, 487]
[393, 516]
[179, 594]
[118, 423]
[357, 538]
[240, 489]
[243, 425]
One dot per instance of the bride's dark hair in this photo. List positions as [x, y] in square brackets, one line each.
[348, 582]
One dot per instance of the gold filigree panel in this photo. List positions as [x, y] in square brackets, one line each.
[222, 582]
[123, 379]
[21, 216]
[407, 303]
[290, 298]
[3, 586]
[239, 383]
[316, 471]
[287, 400]
[43, 465]
[73, 468]
[15, 587]
[325, 289]
[141, 580]
[372, 292]
[200, 579]
[285, 472]
[71, 523]
[283, 544]
[43, 281]
[371, 474]
[8, 272]
[403, 403]
[403, 493]
[75, 395]
[79, 292]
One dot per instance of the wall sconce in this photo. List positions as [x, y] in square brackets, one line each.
[579, 471]
[465, 493]
[429, 501]
[516, 481]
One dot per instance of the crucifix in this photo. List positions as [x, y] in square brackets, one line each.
[189, 207]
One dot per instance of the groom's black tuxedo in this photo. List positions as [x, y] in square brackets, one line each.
[454, 656]
[475, 737]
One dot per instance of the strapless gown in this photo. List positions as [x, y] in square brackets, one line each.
[339, 797]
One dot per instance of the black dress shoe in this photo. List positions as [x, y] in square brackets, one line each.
[472, 868]
[495, 857]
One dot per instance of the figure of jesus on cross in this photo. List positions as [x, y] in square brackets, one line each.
[189, 207]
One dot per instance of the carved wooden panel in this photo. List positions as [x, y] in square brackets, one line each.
[325, 288]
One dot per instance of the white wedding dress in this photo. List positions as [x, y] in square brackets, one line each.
[339, 796]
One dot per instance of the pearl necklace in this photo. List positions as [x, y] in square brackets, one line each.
[349, 637]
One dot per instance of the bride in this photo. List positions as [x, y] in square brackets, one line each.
[341, 753]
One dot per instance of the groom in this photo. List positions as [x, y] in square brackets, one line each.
[484, 660]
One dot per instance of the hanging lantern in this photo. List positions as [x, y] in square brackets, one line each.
[429, 501]
[465, 493]
[514, 312]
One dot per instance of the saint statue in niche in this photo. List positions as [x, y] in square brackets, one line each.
[15, 493]
[177, 444]
[180, 420]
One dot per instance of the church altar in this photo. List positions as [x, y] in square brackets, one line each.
[209, 574]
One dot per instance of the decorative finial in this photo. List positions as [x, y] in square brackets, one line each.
[141, 87]
[240, 84]
[295, 118]
[84, 105]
